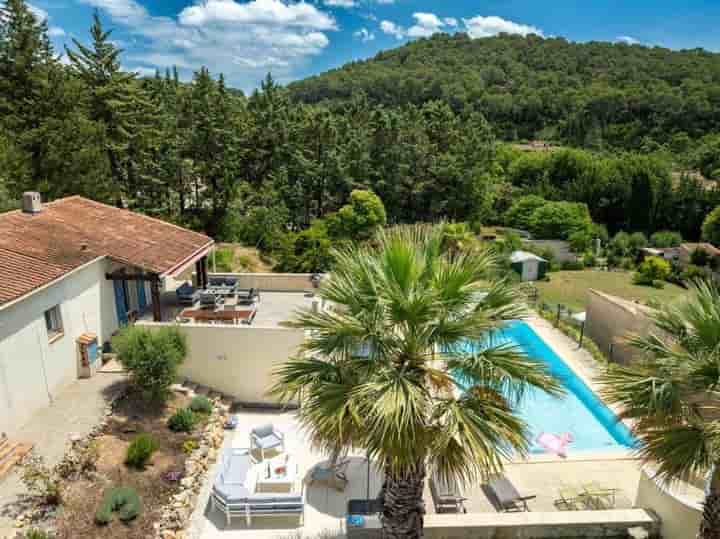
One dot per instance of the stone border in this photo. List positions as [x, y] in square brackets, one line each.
[176, 515]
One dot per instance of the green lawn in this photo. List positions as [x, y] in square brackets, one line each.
[570, 288]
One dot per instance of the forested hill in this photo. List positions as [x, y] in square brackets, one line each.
[587, 94]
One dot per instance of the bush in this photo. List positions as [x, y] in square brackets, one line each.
[36, 534]
[189, 446]
[140, 450]
[572, 265]
[652, 272]
[589, 260]
[665, 238]
[40, 480]
[152, 358]
[123, 500]
[223, 260]
[700, 257]
[182, 421]
[200, 404]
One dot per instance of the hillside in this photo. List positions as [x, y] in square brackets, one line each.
[585, 94]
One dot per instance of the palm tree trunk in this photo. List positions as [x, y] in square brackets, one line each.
[710, 525]
[403, 507]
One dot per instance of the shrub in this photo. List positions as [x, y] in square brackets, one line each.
[652, 271]
[36, 534]
[572, 265]
[223, 260]
[665, 238]
[121, 500]
[152, 358]
[40, 480]
[700, 257]
[189, 446]
[182, 421]
[140, 450]
[201, 404]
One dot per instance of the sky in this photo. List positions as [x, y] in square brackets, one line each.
[246, 39]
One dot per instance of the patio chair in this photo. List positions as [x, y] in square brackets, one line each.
[209, 300]
[266, 437]
[571, 498]
[187, 294]
[599, 496]
[508, 497]
[446, 497]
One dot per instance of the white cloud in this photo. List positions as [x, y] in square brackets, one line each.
[364, 35]
[390, 28]
[56, 31]
[627, 39]
[274, 12]
[340, 3]
[426, 24]
[489, 26]
[241, 39]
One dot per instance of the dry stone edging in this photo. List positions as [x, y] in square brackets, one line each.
[176, 515]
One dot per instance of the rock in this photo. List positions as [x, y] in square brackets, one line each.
[187, 482]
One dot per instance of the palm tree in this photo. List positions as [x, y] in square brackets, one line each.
[371, 375]
[671, 394]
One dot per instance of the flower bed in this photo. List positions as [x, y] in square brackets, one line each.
[94, 472]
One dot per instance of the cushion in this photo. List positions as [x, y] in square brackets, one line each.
[185, 289]
[269, 441]
[263, 430]
[231, 493]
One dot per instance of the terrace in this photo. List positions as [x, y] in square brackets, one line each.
[326, 508]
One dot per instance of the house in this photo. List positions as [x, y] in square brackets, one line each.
[529, 266]
[72, 272]
[686, 250]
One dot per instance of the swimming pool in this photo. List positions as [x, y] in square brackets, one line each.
[580, 412]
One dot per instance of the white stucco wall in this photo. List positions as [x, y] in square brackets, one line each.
[32, 369]
[236, 360]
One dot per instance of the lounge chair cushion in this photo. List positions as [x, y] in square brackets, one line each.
[269, 441]
[264, 430]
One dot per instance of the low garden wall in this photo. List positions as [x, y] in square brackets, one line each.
[272, 282]
[530, 525]
[237, 361]
[679, 513]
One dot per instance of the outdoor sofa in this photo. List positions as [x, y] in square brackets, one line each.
[233, 495]
[187, 294]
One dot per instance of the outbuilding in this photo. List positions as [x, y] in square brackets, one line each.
[529, 266]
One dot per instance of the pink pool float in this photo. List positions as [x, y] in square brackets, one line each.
[554, 443]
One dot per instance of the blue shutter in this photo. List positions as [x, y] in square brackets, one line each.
[120, 303]
[142, 300]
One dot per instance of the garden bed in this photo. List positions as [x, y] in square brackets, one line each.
[83, 493]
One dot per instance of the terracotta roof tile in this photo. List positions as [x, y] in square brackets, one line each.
[69, 232]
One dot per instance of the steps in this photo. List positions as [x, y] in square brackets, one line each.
[11, 453]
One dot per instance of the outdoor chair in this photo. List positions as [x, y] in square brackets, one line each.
[209, 300]
[599, 496]
[571, 498]
[446, 497]
[266, 437]
[508, 497]
[187, 294]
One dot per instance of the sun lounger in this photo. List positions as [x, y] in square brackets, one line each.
[446, 498]
[571, 498]
[508, 498]
[233, 495]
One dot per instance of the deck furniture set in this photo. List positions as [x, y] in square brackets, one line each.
[249, 486]
[223, 302]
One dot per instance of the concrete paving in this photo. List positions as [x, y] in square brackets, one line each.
[75, 411]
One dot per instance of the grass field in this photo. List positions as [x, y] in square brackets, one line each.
[570, 288]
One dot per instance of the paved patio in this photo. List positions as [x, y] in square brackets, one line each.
[75, 411]
[325, 508]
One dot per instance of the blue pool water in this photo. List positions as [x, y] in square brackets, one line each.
[580, 412]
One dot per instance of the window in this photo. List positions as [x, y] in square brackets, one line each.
[53, 322]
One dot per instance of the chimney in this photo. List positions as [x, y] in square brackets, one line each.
[31, 202]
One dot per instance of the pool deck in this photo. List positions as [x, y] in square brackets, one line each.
[539, 475]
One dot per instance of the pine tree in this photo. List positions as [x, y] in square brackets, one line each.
[117, 102]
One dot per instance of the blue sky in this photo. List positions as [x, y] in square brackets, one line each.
[247, 38]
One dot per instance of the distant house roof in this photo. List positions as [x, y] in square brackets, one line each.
[36, 249]
[524, 256]
[707, 247]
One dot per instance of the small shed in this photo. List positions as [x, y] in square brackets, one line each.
[529, 266]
